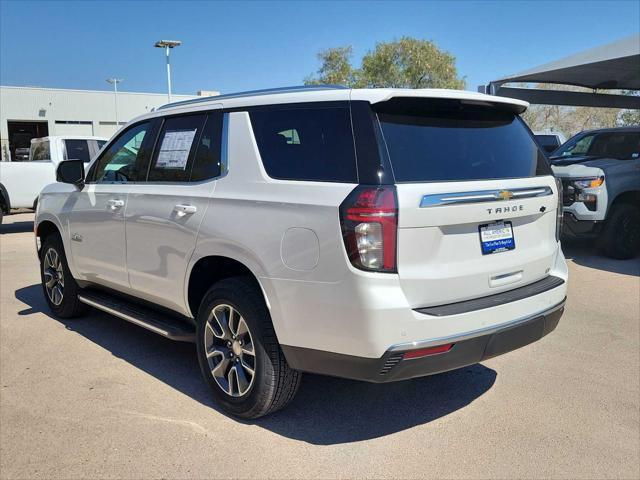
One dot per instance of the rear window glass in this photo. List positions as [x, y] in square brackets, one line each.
[463, 143]
[76, 150]
[313, 144]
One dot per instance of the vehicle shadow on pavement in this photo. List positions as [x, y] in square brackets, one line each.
[16, 227]
[326, 411]
[585, 253]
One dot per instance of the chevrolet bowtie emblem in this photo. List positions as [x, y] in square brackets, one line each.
[505, 195]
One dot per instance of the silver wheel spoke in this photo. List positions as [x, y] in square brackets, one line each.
[220, 368]
[248, 349]
[57, 295]
[51, 278]
[210, 331]
[219, 351]
[247, 368]
[243, 383]
[232, 380]
[231, 315]
[54, 259]
[222, 319]
[242, 327]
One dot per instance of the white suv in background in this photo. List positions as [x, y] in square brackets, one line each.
[370, 234]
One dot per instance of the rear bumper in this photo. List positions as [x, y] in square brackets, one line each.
[468, 348]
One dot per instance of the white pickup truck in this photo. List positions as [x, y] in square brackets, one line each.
[21, 182]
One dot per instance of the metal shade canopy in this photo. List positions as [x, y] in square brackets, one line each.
[612, 66]
[615, 66]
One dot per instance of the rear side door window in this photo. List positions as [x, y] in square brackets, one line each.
[313, 144]
[175, 149]
[208, 162]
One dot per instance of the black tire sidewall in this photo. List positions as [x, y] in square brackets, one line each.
[251, 307]
[616, 243]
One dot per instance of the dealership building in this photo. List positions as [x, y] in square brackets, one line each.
[33, 112]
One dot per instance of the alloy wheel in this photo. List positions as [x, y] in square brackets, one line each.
[230, 351]
[53, 276]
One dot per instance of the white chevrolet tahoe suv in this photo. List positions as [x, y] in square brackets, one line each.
[373, 234]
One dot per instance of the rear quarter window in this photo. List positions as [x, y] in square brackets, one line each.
[457, 142]
[313, 144]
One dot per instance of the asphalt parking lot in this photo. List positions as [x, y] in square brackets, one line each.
[100, 398]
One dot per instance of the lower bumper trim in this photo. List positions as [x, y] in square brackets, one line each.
[572, 227]
[392, 366]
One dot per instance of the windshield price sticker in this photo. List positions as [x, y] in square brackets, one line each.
[175, 148]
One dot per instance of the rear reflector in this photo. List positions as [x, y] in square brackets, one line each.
[425, 352]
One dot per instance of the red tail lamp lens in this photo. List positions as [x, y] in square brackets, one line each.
[425, 352]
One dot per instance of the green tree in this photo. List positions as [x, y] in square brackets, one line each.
[629, 118]
[405, 63]
[335, 68]
[409, 63]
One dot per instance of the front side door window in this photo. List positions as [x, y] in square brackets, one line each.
[120, 162]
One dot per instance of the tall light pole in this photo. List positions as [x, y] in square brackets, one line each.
[168, 45]
[115, 81]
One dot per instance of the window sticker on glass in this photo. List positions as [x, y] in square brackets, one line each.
[175, 148]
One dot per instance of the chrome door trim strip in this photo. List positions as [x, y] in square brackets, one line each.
[457, 198]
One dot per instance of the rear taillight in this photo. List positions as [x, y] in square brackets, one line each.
[369, 218]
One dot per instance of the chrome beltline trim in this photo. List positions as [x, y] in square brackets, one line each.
[439, 199]
[123, 316]
[474, 333]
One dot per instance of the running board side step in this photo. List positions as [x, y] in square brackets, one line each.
[144, 317]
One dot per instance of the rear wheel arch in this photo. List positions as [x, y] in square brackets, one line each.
[211, 269]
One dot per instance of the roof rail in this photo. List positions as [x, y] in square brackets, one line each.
[252, 93]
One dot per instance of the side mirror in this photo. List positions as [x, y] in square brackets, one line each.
[71, 171]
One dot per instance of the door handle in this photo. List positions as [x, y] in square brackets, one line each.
[115, 204]
[185, 209]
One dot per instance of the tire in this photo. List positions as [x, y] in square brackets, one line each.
[621, 235]
[273, 383]
[1, 214]
[62, 297]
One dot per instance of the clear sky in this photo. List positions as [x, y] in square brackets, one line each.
[234, 46]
